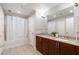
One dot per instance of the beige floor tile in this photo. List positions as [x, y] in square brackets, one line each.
[21, 50]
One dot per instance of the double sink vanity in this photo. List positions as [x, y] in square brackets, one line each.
[49, 45]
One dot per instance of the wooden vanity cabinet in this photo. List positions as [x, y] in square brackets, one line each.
[51, 47]
[67, 49]
[39, 43]
[77, 50]
[42, 45]
[45, 47]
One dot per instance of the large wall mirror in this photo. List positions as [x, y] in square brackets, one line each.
[62, 22]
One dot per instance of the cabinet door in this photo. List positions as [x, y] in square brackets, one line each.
[77, 50]
[45, 46]
[53, 47]
[38, 43]
[67, 49]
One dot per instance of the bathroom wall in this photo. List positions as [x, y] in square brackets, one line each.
[37, 25]
[40, 22]
[41, 25]
[1, 29]
[31, 29]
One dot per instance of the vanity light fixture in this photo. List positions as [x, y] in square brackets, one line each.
[76, 4]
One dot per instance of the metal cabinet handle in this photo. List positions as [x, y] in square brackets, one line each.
[57, 45]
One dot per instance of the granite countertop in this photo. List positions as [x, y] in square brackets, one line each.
[69, 41]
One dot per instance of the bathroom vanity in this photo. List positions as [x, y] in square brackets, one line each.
[49, 45]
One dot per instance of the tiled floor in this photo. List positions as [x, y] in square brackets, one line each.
[21, 50]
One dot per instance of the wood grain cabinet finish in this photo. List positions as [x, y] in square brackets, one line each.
[45, 47]
[67, 49]
[39, 43]
[77, 50]
[51, 47]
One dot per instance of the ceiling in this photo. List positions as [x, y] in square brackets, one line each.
[25, 9]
